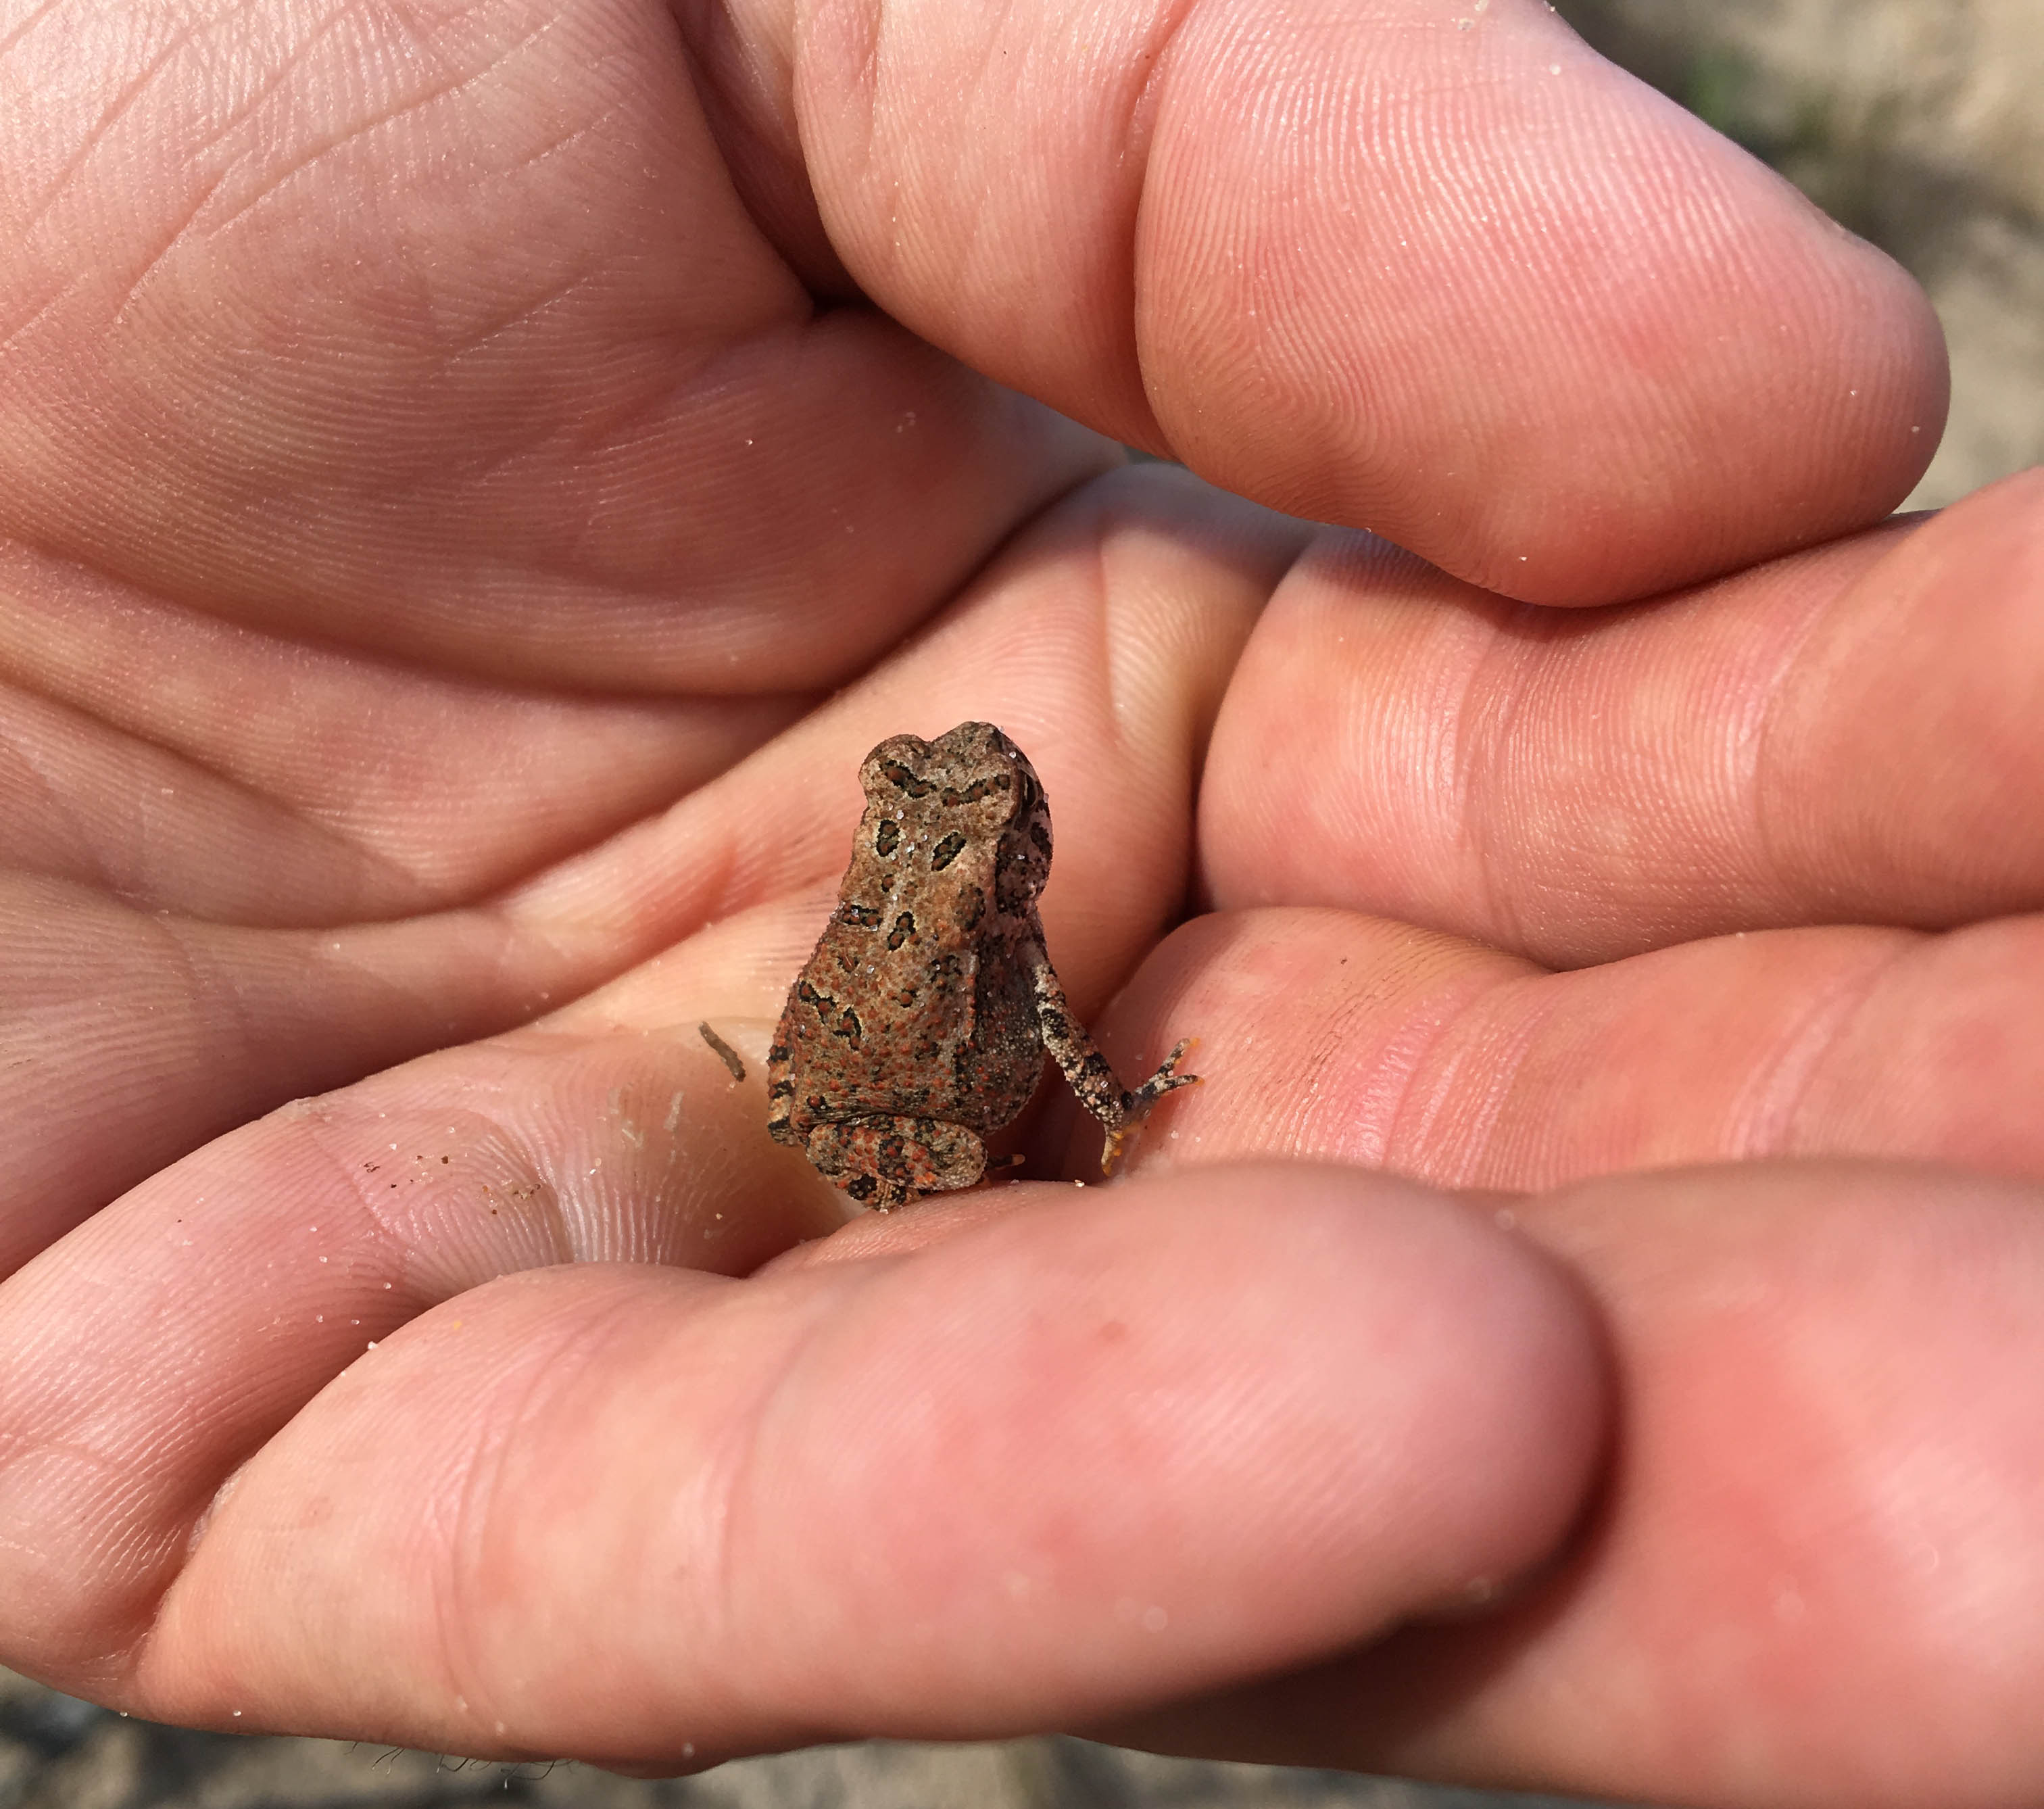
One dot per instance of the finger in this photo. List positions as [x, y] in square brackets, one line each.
[1334, 1037]
[1815, 1578]
[609, 1132]
[1453, 278]
[918, 1495]
[1102, 640]
[128, 1039]
[210, 1304]
[1844, 736]
[205, 1026]
[460, 346]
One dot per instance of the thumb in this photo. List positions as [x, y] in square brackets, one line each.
[1436, 271]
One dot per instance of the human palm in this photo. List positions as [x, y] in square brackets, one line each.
[477, 480]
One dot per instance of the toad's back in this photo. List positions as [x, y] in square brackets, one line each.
[917, 1002]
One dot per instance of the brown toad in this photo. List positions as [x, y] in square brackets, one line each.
[920, 1024]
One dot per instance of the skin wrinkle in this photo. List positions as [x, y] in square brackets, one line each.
[314, 1126]
[746, 871]
[1448, 767]
[1103, 620]
[1406, 1069]
[382, 866]
[740, 1470]
[484, 334]
[457, 1656]
[548, 542]
[134, 1550]
[1476, 1131]
[504, 459]
[591, 128]
[200, 990]
[30, 22]
[709, 599]
[1746, 732]
[120, 105]
[276, 661]
[1742, 751]
[1764, 1115]
[1672, 816]
[121, 316]
[1138, 136]
[559, 1199]
[50, 798]
[530, 906]
[31, 660]
[319, 150]
[66, 291]
[1486, 773]
[1193, 896]
[268, 190]
[703, 380]
[1771, 784]
[316, 153]
[174, 1548]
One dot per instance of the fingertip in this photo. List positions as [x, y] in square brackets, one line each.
[1083, 1455]
[1175, 1431]
[1522, 316]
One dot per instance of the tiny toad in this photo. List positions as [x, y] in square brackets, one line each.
[920, 1024]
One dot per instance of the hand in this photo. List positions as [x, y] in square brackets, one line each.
[466, 522]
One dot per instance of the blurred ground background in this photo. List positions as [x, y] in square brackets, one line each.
[57, 1753]
[1919, 124]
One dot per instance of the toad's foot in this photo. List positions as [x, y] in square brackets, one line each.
[1135, 1106]
[885, 1162]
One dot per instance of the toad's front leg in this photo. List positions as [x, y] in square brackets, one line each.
[1092, 1077]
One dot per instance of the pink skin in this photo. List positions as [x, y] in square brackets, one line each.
[453, 564]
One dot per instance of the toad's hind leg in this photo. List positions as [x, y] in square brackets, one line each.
[883, 1162]
[1092, 1077]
